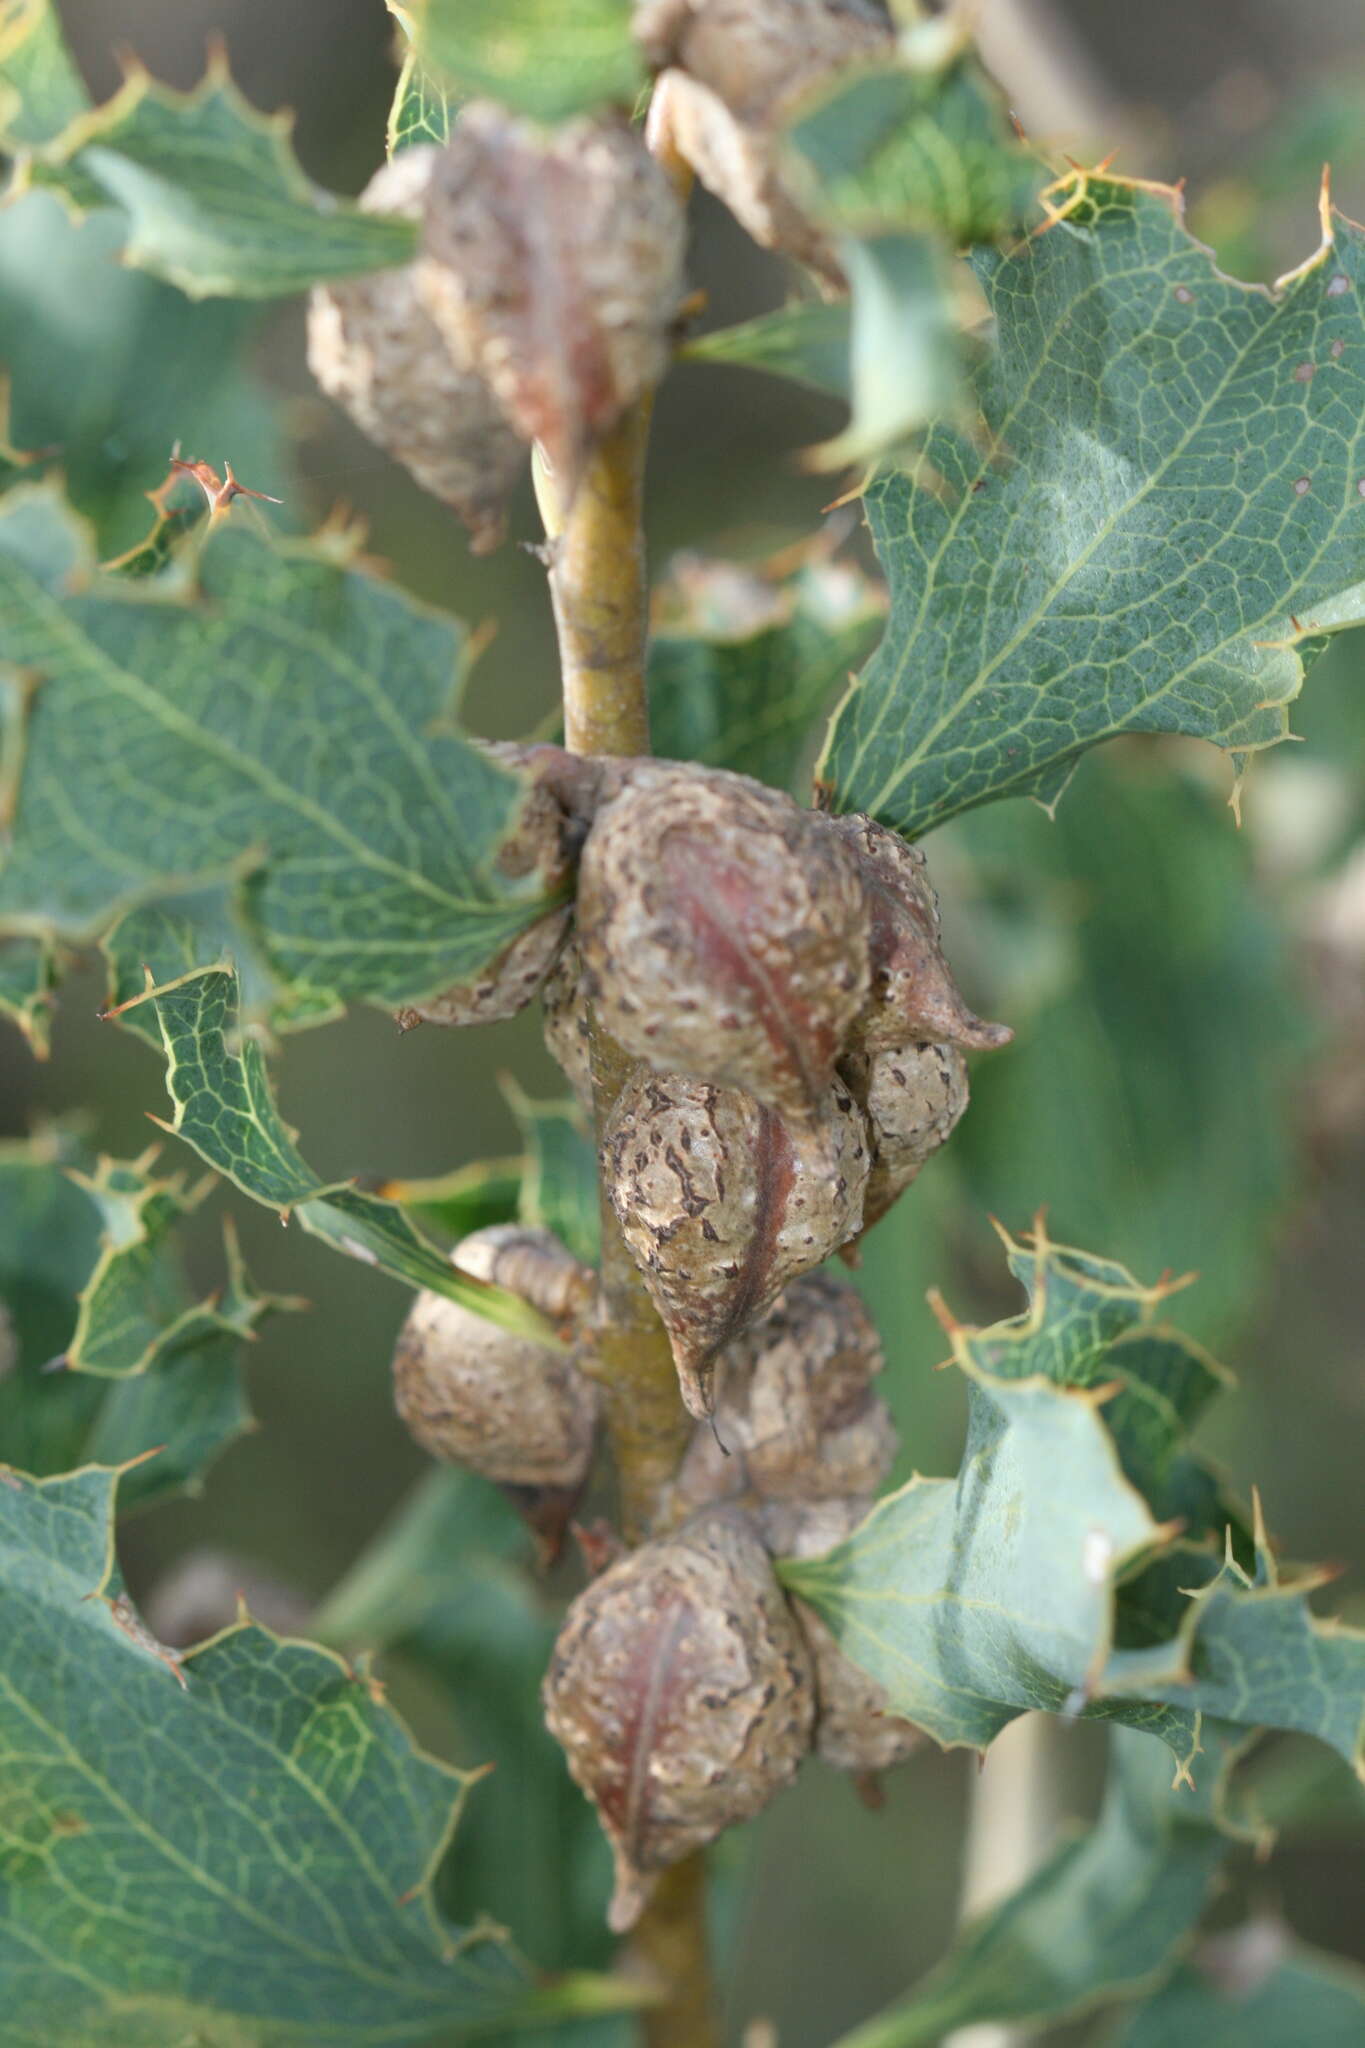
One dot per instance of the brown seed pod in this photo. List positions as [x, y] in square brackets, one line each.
[680, 1689]
[738, 69]
[723, 931]
[373, 348]
[913, 995]
[912, 1096]
[795, 1409]
[497, 1402]
[556, 266]
[561, 795]
[568, 1033]
[723, 1203]
[853, 1730]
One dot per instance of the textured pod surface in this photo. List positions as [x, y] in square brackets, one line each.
[374, 349]
[912, 1096]
[477, 1395]
[568, 1031]
[913, 995]
[723, 1203]
[556, 267]
[795, 1409]
[723, 931]
[853, 1730]
[680, 1689]
[532, 1264]
[737, 67]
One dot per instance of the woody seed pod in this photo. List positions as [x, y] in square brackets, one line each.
[723, 932]
[680, 1689]
[377, 353]
[723, 1203]
[912, 1097]
[853, 1730]
[738, 69]
[475, 1394]
[556, 266]
[568, 1034]
[913, 995]
[795, 1408]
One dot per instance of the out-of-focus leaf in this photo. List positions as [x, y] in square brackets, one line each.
[212, 197]
[742, 660]
[546, 58]
[113, 1358]
[972, 1600]
[217, 1079]
[807, 342]
[469, 1199]
[559, 1186]
[1150, 1070]
[1167, 488]
[281, 723]
[27, 979]
[1106, 1911]
[1253, 1988]
[905, 344]
[446, 1587]
[109, 369]
[422, 109]
[303, 1912]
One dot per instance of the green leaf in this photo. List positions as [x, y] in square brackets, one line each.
[446, 1587]
[220, 1090]
[113, 1358]
[742, 660]
[109, 369]
[546, 58]
[905, 344]
[1168, 482]
[1103, 1913]
[237, 1850]
[1041, 1578]
[559, 1186]
[422, 110]
[1253, 1988]
[807, 342]
[28, 975]
[282, 723]
[468, 1199]
[212, 196]
[1156, 1015]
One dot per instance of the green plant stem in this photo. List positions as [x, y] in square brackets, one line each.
[597, 583]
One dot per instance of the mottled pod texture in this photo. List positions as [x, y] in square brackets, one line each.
[474, 1394]
[373, 348]
[556, 267]
[723, 932]
[795, 1406]
[723, 1202]
[736, 69]
[853, 1730]
[912, 1097]
[568, 1025]
[680, 1690]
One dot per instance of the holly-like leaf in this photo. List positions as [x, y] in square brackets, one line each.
[235, 1848]
[281, 724]
[28, 975]
[211, 195]
[806, 342]
[1007, 1589]
[422, 109]
[1254, 1987]
[1167, 488]
[742, 659]
[113, 1359]
[468, 1199]
[446, 1586]
[216, 1076]
[1105, 1912]
[545, 58]
[559, 1189]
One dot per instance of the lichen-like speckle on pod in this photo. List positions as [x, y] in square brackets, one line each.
[680, 1689]
[567, 1026]
[475, 1394]
[913, 1097]
[723, 931]
[723, 1202]
[853, 1730]
[795, 1406]
[374, 349]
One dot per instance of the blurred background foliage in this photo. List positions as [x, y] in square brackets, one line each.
[1187, 1085]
